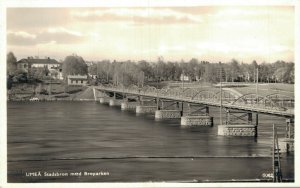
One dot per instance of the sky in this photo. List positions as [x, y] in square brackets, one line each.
[211, 33]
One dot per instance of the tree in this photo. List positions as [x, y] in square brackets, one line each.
[9, 82]
[93, 69]
[285, 73]
[39, 73]
[235, 72]
[74, 65]
[11, 63]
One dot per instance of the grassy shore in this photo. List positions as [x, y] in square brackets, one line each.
[47, 92]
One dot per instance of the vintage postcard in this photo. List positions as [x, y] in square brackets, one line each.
[149, 94]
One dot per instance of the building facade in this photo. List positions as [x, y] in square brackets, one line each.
[54, 67]
[77, 80]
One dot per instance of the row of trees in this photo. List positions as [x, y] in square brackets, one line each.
[137, 72]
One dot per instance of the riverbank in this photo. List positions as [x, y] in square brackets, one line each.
[46, 92]
[47, 100]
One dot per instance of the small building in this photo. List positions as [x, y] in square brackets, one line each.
[184, 78]
[77, 80]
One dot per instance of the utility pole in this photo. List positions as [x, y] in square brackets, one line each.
[256, 84]
[277, 175]
[221, 94]
[182, 80]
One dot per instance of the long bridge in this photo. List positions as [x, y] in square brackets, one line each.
[273, 104]
[238, 107]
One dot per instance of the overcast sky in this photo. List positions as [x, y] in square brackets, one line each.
[215, 33]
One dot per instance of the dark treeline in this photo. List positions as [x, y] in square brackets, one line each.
[141, 72]
[129, 72]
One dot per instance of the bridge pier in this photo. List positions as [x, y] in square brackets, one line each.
[145, 109]
[167, 114]
[115, 102]
[234, 126]
[129, 105]
[237, 130]
[191, 121]
[198, 117]
[166, 110]
[98, 94]
[104, 100]
[286, 145]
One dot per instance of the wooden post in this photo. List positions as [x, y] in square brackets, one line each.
[250, 118]
[207, 110]
[256, 124]
[227, 116]
[181, 108]
[94, 91]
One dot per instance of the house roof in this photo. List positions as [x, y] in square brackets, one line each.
[39, 61]
[78, 78]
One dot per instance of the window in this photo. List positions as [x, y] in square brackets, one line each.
[76, 81]
[82, 81]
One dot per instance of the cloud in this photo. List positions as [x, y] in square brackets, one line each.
[16, 39]
[59, 36]
[137, 16]
[242, 47]
[32, 18]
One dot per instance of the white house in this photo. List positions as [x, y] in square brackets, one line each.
[77, 80]
[184, 78]
[52, 65]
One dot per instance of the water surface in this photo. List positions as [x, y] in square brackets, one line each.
[91, 137]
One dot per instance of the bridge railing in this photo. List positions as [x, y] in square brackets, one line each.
[270, 102]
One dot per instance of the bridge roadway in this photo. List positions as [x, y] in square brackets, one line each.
[156, 93]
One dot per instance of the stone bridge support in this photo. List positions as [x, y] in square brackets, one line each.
[198, 116]
[104, 100]
[199, 120]
[167, 114]
[129, 105]
[286, 144]
[237, 130]
[238, 123]
[145, 109]
[167, 109]
[115, 102]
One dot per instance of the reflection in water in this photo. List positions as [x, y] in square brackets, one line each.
[87, 136]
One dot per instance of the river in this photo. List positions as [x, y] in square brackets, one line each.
[92, 142]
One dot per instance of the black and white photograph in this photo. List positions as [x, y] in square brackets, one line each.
[155, 93]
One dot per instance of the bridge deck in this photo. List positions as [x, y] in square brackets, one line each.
[252, 108]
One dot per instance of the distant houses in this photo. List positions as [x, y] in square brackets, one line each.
[77, 80]
[54, 67]
[51, 68]
[184, 78]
